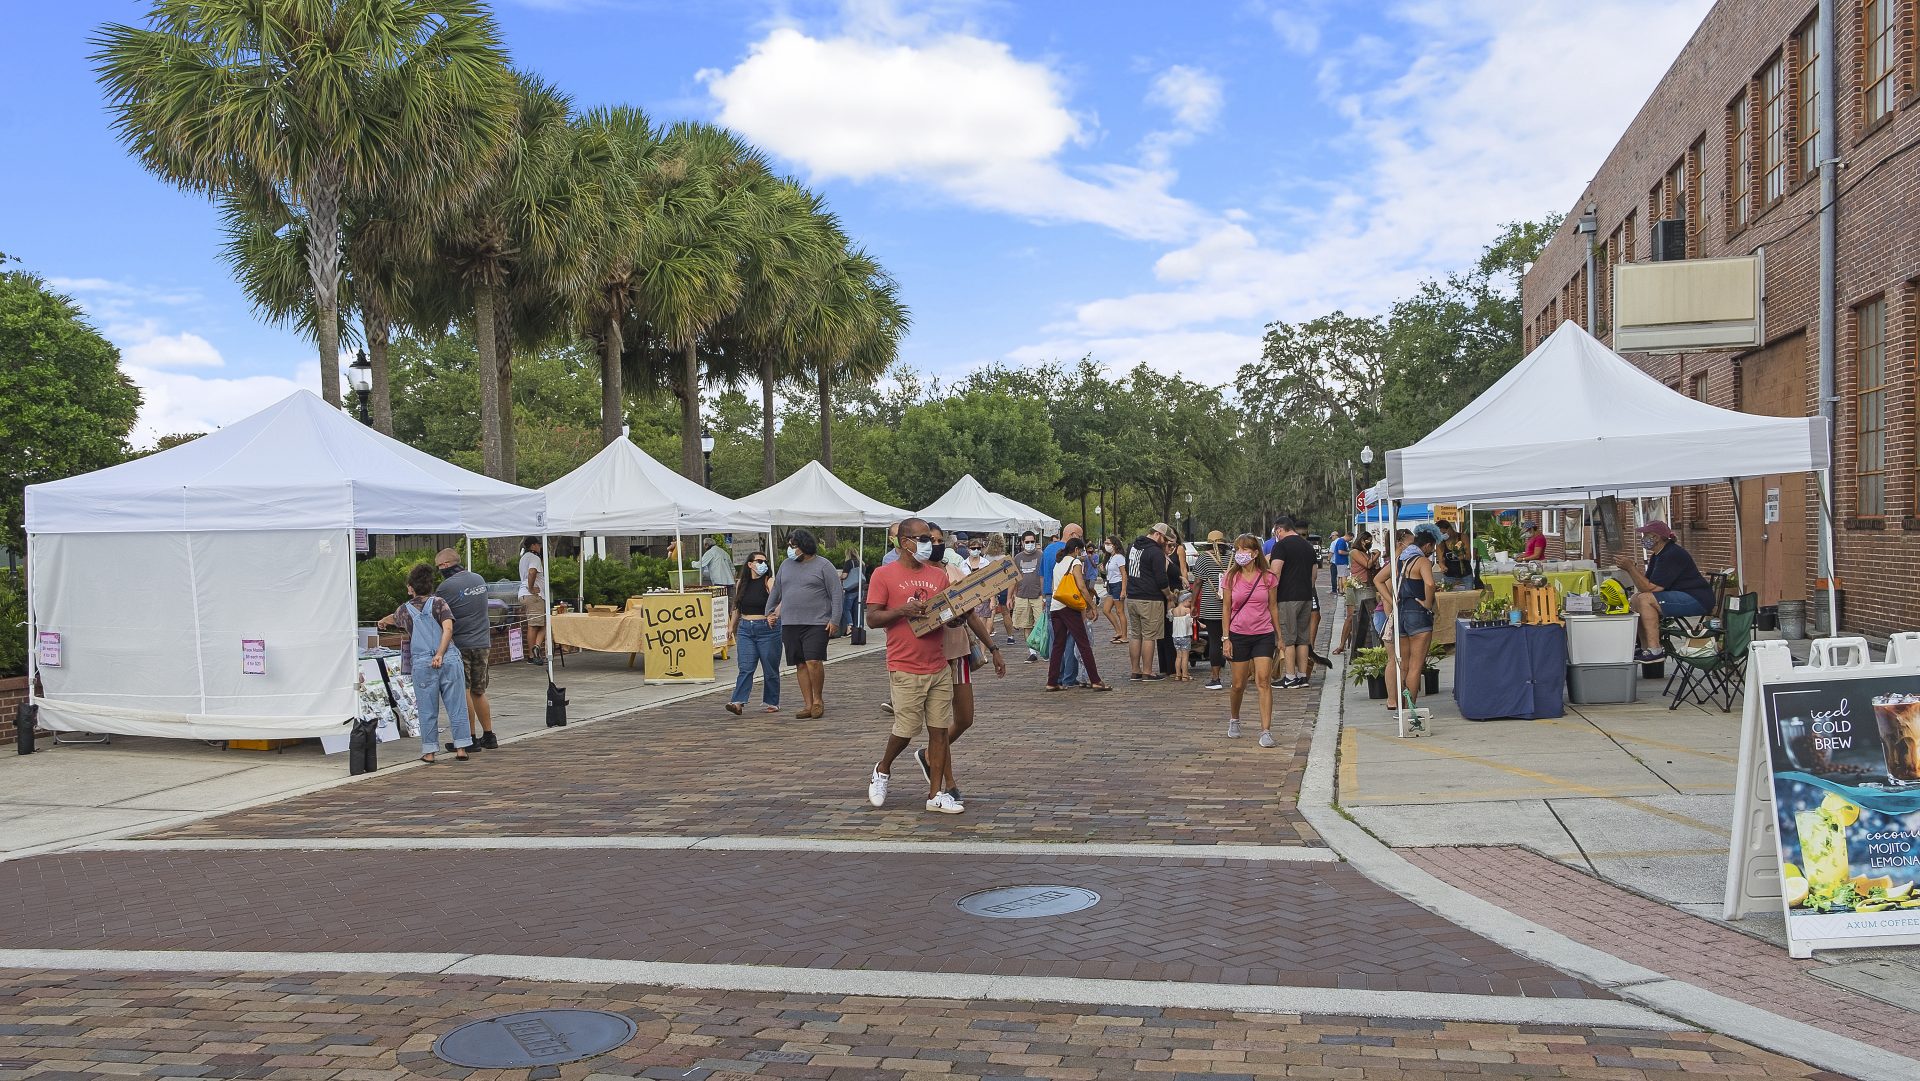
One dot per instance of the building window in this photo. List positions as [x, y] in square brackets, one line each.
[1773, 142]
[1698, 511]
[1739, 161]
[1696, 156]
[1879, 26]
[1870, 411]
[1806, 120]
[1626, 234]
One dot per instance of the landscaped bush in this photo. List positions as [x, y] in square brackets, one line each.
[13, 636]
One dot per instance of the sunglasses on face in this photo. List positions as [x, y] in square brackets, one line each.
[924, 538]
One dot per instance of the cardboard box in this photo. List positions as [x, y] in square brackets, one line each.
[970, 592]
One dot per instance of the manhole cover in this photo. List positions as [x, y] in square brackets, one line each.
[1022, 902]
[534, 1038]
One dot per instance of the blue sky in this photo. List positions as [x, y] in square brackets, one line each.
[1141, 180]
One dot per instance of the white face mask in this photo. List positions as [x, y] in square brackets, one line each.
[792, 552]
[1028, 547]
[923, 550]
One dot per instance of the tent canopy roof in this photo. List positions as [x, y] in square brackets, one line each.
[1575, 416]
[968, 506]
[297, 464]
[813, 496]
[623, 491]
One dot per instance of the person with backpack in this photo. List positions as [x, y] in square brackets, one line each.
[1147, 598]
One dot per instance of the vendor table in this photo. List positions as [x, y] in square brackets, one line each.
[1565, 581]
[1448, 606]
[1509, 671]
[621, 632]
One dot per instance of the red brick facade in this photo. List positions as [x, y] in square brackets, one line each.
[1689, 121]
[12, 692]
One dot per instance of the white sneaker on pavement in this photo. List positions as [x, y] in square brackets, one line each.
[1266, 739]
[886, 705]
[945, 804]
[1233, 728]
[877, 789]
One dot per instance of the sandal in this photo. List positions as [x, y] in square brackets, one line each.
[427, 758]
[736, 708]
[1051, 688]
[769, 709]
[1098, 687]
[460, 755]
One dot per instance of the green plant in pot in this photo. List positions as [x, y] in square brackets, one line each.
[1430, 672]
[1369, 666]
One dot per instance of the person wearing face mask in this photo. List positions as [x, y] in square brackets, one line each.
[919, 679]
[1049, 561]
[1670, 587]
[1113, 562]
[1252, 607]
[1207, 572]
[756, 638]
[805, 600]
[466, 594]
[1027, 601]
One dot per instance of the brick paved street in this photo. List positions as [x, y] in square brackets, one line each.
[1143, 763]
[1237, 922]
[84, 1026]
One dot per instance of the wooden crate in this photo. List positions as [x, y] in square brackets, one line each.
[1537, 604]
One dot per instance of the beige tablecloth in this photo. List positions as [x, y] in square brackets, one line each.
[1448, 607]
[622, 633]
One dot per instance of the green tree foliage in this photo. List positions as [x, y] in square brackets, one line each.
[65, 405]
[1001, 437]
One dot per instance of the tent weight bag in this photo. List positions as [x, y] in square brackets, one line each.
[556, 706]
[23, 719]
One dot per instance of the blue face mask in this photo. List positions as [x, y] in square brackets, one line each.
[923, 551]
[792, 552]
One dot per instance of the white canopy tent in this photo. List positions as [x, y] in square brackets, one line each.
[146, 578]
[814, 497]
[970, 507]
[1039, 521]
[1574, 416]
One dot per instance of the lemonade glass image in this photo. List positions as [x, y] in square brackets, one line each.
[1898, 718]
[1823, 849]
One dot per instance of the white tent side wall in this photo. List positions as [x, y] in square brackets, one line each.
[150, 627]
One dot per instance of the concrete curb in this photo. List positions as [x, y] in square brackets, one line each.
[1428, 1005]
[1694, 1005]
[1247, 853]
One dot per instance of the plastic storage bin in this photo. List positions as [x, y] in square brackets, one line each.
[1595, 684]
[1600, 639]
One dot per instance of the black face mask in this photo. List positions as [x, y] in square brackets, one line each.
[448, 572]
[939, 552]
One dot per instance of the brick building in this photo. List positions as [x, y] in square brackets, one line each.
[1727, 143]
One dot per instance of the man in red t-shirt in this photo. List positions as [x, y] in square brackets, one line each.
[920, 682]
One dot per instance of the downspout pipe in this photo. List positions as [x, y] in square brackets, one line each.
[1827, 150]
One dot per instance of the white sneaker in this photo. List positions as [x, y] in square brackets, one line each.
[945, 804]
[877, 789]
[1266, 739]
[1233, 728]
[886, 705]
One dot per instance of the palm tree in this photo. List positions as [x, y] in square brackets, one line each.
[618, 148]
[849, 328]
[797, 237]
[324, 101]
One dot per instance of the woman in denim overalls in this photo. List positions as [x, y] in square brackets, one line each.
[437, 673]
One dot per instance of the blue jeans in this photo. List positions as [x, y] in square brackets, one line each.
[759, 646]
[849, 613]
[433, 686]
[1069, 664]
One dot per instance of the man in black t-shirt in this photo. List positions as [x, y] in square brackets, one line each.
[1294, 560]
[1670, 588]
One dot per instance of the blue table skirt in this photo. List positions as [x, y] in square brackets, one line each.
[1509, 671]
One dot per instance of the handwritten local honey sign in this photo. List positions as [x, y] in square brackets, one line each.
[678, 642]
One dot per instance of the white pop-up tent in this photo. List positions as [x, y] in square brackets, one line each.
[814, 497]
[1029, 518]
[968, 506]
[146, 579]
[1574, 416]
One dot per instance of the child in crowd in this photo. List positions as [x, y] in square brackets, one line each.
[1182, 617]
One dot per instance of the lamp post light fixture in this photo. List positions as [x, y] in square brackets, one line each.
[360, 378]
[706, 452]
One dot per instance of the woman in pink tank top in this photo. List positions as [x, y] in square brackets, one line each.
[1250, 592]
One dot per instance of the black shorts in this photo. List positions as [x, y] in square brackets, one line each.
[805, 642]
[1247, 647]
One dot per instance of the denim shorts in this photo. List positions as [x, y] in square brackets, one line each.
[1674, 604]
[1414, 619]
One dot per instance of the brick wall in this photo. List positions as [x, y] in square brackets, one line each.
[1878, 218]
[12, 692]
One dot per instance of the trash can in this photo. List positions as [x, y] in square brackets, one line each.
[1767, 618]
[1793, 619]
[1820, 625]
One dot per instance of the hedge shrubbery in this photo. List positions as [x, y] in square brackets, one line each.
[13, 636]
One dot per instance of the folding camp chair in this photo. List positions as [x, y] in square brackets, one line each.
[1697, 626]
[1712, 665]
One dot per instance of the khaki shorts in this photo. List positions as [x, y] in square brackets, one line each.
[1295, 619]
[921, 700]
[536, 608]
[475, 662]
[1146, 620]
[1027, 611]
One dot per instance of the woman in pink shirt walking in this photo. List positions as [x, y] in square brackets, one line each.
[1251, 594]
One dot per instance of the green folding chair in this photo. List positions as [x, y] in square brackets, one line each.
[1711, 666]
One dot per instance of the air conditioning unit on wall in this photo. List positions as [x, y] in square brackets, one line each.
[1669, 240]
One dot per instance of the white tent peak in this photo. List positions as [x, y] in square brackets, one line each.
[813, 496]
[297, 464]
[969, 506]
[624, 491]
[1576, 416]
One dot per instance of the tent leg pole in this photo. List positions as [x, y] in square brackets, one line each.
[679, 559]
[1739, 539]
[1393, 628]
[469, 551]
[859, 586]
[582, 554]
[1825, 479]
[548, 560]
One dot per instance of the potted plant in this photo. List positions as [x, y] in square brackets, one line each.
[1430, 674]
[1369, 666]
[1491, 611]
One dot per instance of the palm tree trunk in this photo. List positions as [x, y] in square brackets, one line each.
[768, 467]
[612, 394]
[503, 353]
[485, 299]
[323, 269]
[690, 464]
[826, 419]
[379, 331]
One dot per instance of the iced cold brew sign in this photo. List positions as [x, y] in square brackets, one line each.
[1843, 766]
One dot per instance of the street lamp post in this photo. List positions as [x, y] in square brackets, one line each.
[1366, 480]
[706, 452]
[360, 377]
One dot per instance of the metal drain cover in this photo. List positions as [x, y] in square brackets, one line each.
[1025, 902]
[534, 1038]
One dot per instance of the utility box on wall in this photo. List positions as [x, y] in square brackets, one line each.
[1689, 305]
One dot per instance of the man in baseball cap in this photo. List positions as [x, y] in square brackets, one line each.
[1670, 587]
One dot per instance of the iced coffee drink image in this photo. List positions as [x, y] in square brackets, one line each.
[1898, 718]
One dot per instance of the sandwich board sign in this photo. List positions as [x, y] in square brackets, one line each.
[1826, 815]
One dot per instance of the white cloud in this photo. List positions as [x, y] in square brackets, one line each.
[1193, 96]
[955, 111]
[1298, 23]
[184, 350]
[1210, 357]
[173, 402]
[1483, 122]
